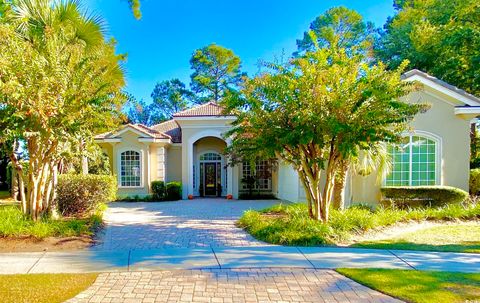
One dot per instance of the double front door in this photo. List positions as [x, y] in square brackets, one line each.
[210, 179]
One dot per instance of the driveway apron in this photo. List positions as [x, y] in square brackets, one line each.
[183, 224]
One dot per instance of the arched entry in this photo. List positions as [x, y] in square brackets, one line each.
[212, 174]
[209, 167]
[198, 144]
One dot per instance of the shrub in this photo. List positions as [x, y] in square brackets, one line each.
[475, 181]
[174, 191]
[415, 196]
[159, 190]
[78, 195]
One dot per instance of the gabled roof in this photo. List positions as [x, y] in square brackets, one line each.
[170, 128]
[210, 109]
[431, 81]
[139, 128]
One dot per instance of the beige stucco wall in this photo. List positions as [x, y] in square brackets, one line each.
[149, 161]
[440, 121]
[174, 163]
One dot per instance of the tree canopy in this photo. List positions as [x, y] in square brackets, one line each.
[138, 111]
[170, 97]
[60, 82]
[440, 37]
[339, 26]
[216, 71]
[317, 110]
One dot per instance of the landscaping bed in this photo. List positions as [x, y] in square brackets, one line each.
[18, 233]
[291, 225]
[419, 286]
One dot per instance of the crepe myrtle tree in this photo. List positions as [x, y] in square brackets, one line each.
[60, 82]
[316, 111]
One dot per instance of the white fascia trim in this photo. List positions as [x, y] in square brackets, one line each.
[205, 126]
[443, 90]
[129, 128]
[206, 118]
[108, 140]
[467, 111]
[154, 140]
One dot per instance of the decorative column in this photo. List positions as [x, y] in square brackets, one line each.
[161, 163]
[149, 168]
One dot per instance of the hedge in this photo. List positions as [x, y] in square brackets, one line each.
[475, 181]
[159, 190]
[174, 191]
[78, 195]
[413, 196]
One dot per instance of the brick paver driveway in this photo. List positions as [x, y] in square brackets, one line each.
[229, 285]
[183, 224]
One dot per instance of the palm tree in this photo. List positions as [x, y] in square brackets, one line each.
[74, 71]
[376, 158]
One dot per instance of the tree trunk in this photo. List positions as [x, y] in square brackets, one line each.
[339, 186]
[18, 168]
[84, 165]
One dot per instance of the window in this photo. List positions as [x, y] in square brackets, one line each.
[210, 157]
[130, 169]
[263, 173]
[414, 162]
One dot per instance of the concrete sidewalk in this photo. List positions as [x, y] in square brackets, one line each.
[234, 258]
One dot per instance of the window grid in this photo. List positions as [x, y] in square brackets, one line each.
[262, 169]
[210, 157]
[130, 169]
[414, 162]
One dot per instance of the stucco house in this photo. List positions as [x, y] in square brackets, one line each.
[189, 149]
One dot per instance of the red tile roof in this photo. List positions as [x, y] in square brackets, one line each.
[150, 132]
[209, 109]
[170, 128]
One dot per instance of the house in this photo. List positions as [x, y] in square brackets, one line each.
[189, 149]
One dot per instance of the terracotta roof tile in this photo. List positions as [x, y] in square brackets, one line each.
[170, 128]
[139, 127]
[209, 109]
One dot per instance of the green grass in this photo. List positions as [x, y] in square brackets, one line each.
[14, 224]
[453, 238]
[419, 286]
[43, 288]
[291, 225]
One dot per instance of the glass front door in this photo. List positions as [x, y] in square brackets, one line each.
[210, 179]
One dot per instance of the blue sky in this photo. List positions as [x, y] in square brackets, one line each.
[159, 45]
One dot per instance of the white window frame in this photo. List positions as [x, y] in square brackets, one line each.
[119, 165]
[438, 155]
[244, 186]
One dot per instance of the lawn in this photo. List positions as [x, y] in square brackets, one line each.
[291, 225]
[454, 238]
[43, 288]
[419, 286]
[14, 224]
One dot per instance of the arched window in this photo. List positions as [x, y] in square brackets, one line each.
[414, 162]
[130, 169]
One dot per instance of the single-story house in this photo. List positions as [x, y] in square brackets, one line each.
[189, 148]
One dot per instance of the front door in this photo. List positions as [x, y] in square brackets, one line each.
[210, 181]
